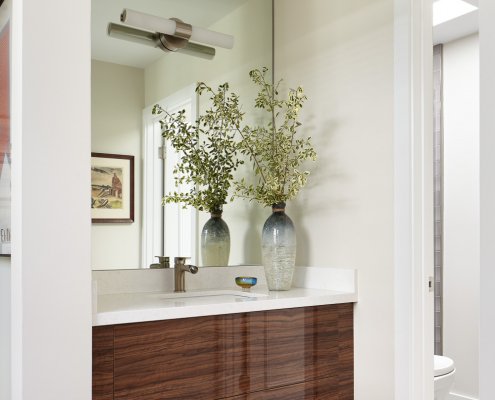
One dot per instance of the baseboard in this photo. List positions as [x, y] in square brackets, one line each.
[454, 396]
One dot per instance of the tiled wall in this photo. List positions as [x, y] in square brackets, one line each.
[438, 192]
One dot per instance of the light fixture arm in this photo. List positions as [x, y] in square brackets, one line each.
[178, 40]
[182, 30]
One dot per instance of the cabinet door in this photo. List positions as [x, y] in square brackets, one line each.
[103, 363]
[345, 366]
[174, 359]
[301, 344]
[282, 347]
[228, 355]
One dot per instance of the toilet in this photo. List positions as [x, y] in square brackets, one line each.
[444, 376]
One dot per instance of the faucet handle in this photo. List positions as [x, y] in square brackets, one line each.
[180, 260]
[165, 261]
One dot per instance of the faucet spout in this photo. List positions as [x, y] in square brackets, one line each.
[192, 269]
[180, 268]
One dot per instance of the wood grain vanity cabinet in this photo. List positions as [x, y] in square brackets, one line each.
[290, 354]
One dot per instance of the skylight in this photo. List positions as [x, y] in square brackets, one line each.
[445, 10]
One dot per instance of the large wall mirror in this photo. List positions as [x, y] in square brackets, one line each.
[129, 78]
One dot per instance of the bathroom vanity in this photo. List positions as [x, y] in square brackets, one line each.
[268, 345]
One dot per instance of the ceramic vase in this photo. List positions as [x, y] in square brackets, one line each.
[278, 249]
[215, 241]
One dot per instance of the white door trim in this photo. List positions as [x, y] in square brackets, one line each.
[413, 250]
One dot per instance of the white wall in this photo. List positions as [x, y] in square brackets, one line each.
[487, 197]
[342, 53]
[117, 102]
[461, 211]
[51, 272]
[5, 328]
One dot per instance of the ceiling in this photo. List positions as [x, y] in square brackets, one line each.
[194, 12]
[456, 28]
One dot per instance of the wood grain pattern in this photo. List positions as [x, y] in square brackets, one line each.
[103, 363]
[346, 352]
[268, 355]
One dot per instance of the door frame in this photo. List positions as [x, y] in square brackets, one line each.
[413, 190]
[414, 320]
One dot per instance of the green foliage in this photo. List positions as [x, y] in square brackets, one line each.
[275, 151]
[207, 149]
[210, 150]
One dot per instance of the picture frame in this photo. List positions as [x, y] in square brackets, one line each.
[112, 188]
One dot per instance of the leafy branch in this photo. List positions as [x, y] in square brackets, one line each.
[210, 149]
[275, 151]
[207, 149]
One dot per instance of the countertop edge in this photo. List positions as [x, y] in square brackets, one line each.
[293, 298]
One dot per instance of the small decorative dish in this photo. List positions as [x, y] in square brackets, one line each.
[246, 282]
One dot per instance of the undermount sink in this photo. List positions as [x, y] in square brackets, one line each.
[151, 290]
[208, 293]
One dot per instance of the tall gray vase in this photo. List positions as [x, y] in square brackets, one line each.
[215, 241]
[278, 249]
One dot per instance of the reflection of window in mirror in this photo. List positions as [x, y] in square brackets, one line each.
[169, 228]
[129, 78]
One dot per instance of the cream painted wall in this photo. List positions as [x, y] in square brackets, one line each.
[342, 53]
[461, 211]
[5, 328]
[117, 101]
[487, 197]
[252, 49]
[51, 269]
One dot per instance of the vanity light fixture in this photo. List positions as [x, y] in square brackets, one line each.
[168, 34]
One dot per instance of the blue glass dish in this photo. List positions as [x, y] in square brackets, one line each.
[246, 282]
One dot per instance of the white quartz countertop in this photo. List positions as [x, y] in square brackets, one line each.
[123, 308]
[324, 286]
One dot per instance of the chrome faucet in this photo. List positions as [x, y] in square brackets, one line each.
[180, 268]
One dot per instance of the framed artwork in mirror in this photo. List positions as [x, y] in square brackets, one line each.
[112, 188]
[5, 156]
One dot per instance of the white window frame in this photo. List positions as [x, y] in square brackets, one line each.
[180, 236]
